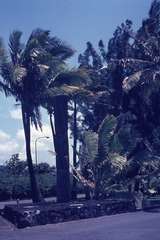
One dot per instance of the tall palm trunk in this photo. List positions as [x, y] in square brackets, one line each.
[26, 125]
[74, 194]
[62, 148]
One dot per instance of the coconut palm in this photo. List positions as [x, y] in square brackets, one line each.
[25, 75]
[64, 87]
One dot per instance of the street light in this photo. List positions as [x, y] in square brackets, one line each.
[36, 156]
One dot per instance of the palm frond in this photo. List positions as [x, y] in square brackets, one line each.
[16, 46]
[6, 71]
[73, 78]
[144, 77]
[131, 81]
[60, 49]
[6, 89]
[35, 46]
[135, 64]
[40, 35]
[3, 54]
[117, 162]
[51, 93]
[155, 9]
[40, 39]
[71, 89]
[36, 118]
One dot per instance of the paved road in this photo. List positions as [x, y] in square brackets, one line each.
[128, 226]
[5, 225]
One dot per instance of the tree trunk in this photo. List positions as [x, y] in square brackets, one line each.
[99, 172]
[34, 188]
[62, 148]
[97, 184]
[74, 185]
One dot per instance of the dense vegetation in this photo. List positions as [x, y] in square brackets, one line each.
[125, 113]
[113, 100]
[15, 183]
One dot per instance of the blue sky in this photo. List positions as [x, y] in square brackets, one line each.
[76, 22]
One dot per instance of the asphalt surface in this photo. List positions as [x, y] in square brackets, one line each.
[127, 226]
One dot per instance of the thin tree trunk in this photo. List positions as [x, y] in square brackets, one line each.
[34, 188]
[62, 148]
[74, 190]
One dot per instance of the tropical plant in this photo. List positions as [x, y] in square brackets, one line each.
[141, 84]
[123, 156]
[139, 96]
[65, 86]
[125, 113]
[25, 75]
[88, 148]
[106, 75]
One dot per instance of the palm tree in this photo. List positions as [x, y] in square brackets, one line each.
[65, 86]
[25, 75]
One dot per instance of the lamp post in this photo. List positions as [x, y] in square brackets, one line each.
[36, 155]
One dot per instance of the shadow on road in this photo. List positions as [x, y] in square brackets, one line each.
[153, 210]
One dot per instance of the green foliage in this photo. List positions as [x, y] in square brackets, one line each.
[28, 70]
[47, 183]
[16, 184]
[125, 110]
[15, 166]
[89, 148]
[106, 132]
[43, 168]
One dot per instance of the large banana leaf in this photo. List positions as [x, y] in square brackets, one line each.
[106, 132]
[89, 148]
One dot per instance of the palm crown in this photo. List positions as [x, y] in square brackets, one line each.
[29, 68]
